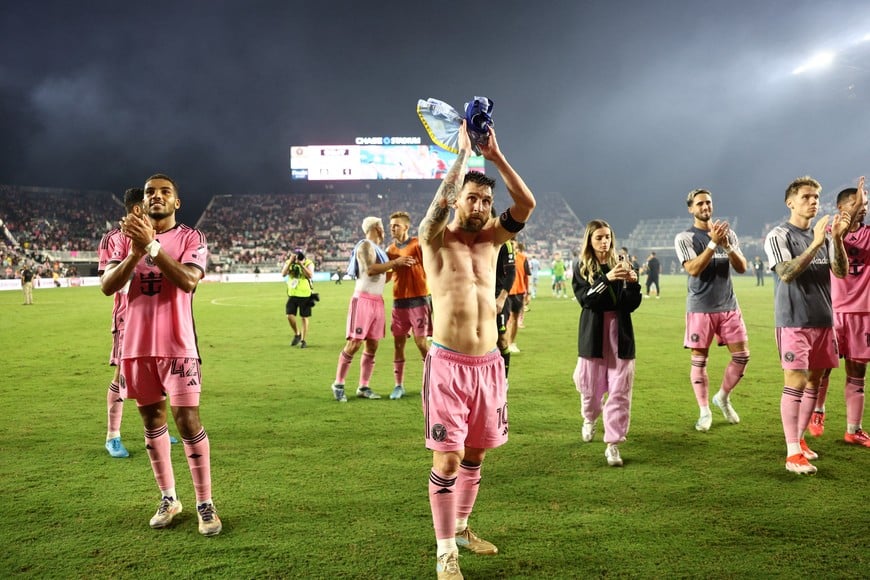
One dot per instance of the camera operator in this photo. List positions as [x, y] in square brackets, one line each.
[298, 271]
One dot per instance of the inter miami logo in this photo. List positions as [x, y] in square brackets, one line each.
[695, 337]
[788, 356]
[439, 432]
[358, 330]
[150, 283]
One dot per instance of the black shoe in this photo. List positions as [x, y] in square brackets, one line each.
[296, 340]
[303, 344]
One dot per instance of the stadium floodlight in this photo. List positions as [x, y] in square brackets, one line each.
[821, 60]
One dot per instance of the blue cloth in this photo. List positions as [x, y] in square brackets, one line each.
[353, 265]
[479, 120]
[442, 122]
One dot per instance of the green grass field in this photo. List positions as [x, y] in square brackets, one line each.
[308, 488]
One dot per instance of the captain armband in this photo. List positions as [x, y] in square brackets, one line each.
[509, 223]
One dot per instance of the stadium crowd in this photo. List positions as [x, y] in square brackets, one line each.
[244, 231]
[53, 229]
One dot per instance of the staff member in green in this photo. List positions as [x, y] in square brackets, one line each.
[298, 271]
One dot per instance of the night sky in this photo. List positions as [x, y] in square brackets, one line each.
[622, 106]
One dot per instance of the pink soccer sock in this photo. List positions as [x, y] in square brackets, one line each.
[734, 370]
[115, 406]
[366, 368]
[344, 361]
[442, 500]
[808, 405]
[700, 381]
[467, 485]
[399, 372]
[854, 400]
[198, 453]
[159, 449]
[789, 410]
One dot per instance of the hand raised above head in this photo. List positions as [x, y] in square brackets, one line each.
[490, 149]
[464, 140]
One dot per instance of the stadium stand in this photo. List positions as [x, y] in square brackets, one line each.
[55, 229]
[245, 231]
[59, 229]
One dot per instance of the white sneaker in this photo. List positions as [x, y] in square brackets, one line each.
[513, 348]
[448, 567]
[338, 393]
[169, 508]
[366, 393]
[724, 404]
[588, 431]
[612, 455]
[209, 522]
[704, 423]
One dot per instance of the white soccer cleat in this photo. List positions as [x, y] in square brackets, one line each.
[724, 404]
[704, 423]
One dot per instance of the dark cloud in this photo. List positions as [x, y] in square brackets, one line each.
[621, 106]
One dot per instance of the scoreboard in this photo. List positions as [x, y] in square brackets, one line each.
[374, 158]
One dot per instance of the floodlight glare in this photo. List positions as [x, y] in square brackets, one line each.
[821, 60]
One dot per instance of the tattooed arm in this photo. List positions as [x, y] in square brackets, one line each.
[438, 213]
[788, 271]
[839, 259]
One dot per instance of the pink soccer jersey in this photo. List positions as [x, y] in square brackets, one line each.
[159, 320]
[852, 293]
[111, 240]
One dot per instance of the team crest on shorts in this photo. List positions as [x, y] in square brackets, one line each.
[439, 432]
[694, 337]
[788, 356]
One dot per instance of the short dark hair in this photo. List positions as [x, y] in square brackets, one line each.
[479, 178]
[167, 178]
[133, 197]
[690, 199]
[846, 194]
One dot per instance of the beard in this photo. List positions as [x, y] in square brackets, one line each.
[472, 223]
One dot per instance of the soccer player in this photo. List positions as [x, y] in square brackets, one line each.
[850, 297]
[799, 254]
[534, 270]
[708, 250]
[505, 272]
[559, 276]
[114, 400]
[608, 292]
[517, 296]
[412, 313]
[166, 260]
[369, 264]
[464, 391]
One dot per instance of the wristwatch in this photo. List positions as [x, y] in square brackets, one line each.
[152, 247]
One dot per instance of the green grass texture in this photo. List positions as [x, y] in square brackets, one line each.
[309, 488]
